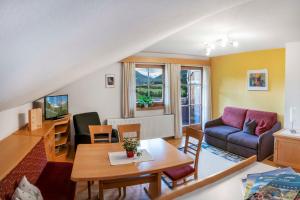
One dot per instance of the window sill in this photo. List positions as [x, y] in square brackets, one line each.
[155, 107]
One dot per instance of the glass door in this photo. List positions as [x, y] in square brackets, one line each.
[191, 96]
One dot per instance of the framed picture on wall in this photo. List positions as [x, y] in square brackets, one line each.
[257, 80]
[109, 80]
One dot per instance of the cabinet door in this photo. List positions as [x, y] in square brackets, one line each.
[50, 145]
[287, 152]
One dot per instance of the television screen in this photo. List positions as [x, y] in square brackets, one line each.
[56, 106]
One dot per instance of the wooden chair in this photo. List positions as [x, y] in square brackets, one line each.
[103, 135]
[129, 128]
[100, 133]
[181, 173]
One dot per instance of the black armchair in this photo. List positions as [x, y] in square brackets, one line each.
[81, 125]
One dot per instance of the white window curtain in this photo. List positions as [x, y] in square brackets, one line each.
[128, 90]
[167, 95]
[206, 101]
[172, 94]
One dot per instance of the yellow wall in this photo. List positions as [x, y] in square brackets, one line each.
[229, 81]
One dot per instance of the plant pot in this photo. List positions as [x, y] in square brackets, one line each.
[130, 154]
[146, 105]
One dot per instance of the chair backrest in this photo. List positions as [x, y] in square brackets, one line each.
[129, 128]
[103, 131]
[191, 147]
[83, 120]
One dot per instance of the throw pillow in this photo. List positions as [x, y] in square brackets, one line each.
[21, 195]
[249, 126]
[26, 186]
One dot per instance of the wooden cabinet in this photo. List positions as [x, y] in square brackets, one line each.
[49, 144]
[62, 139]
[56, 136]
[287, 148]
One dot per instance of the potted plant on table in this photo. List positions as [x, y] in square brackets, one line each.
[130, 145]
[145, 101]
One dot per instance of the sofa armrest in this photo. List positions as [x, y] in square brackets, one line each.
[214, 122]
[266, 142]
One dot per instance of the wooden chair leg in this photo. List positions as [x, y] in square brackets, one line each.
[101, 190]
[124, 191]
[174, 184]
[89, 189]
[195, 176]
[120, 192]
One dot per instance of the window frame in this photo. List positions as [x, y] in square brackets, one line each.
[156, 105]
[189, 85]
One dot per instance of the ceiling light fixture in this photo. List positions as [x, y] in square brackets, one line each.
[222, 42]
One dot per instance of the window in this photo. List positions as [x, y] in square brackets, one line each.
[191, 96]
[149, 83]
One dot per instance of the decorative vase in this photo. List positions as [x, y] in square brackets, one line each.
[130, 154]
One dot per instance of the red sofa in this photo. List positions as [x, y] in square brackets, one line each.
[52, 178]
[227, 133]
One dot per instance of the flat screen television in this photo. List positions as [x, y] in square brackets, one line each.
[56, 106]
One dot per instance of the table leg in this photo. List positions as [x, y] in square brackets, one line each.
[154, 187]
[89, 189]
[101, 193]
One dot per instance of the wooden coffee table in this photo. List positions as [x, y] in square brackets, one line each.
[92, 164]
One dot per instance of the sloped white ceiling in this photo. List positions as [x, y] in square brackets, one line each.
[256, 25]
[45, 45]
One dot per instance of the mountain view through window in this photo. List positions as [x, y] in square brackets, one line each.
[149, 82]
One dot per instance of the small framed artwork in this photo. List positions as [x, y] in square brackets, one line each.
[257, 80]
[109, 80]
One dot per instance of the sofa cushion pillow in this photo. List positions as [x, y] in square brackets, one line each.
[249, 126]
[234, 117]
[265, 120]
[26, 186]
[22, 195]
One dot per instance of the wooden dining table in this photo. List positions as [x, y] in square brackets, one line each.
[92, 163]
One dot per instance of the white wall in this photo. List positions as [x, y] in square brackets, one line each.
[13, 119]
[89, 94]
[292, 83]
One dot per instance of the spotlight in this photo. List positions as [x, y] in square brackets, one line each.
[208, 52]
[224, 41]
[235, 43]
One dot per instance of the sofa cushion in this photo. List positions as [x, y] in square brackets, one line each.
[20, 195]
[55, 181]
[249, 126]
[220, 132]
[243, 139]
[234, 117]
[265, 120]
[26, 186]
[83, 120]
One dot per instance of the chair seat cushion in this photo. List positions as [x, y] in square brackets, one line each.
[220, 132]
[243, 139]
[179, 172]
[55, 181]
